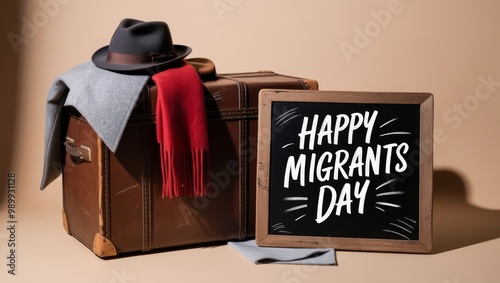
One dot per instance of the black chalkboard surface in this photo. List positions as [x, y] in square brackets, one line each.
[351, 170]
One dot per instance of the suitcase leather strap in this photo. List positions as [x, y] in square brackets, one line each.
[147, 190]
[242, 115]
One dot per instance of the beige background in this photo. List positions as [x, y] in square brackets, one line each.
[449, 48]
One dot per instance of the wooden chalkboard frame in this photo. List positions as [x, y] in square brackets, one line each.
[263, 235]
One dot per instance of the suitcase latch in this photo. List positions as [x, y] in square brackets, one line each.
[78, 154]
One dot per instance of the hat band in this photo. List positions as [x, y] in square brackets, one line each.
[130, 59]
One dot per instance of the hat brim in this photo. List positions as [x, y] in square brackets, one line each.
[100, 60]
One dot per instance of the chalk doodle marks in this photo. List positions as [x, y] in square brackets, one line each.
[298, 207]
[286, 117]
[280, 228]
[380, 204]
[402, 227]
[392, 133]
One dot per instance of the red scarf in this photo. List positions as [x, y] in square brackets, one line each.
[181, 129]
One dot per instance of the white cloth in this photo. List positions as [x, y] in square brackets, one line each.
[260, 255]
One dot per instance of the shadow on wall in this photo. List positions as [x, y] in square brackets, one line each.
[457, 223]
[9, 23]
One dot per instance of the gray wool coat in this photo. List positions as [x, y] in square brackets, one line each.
[106, 99]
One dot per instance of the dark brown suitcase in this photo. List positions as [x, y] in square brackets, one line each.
[112, 202]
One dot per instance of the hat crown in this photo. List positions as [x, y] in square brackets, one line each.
[138, 37]
[137, 45]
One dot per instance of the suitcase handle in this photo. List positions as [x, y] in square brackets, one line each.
[78, 154]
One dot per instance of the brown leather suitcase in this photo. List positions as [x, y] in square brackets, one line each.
[112, 202]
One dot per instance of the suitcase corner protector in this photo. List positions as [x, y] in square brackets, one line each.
[103, 247]
[65, 221]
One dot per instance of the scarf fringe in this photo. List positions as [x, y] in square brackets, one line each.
[184, 172]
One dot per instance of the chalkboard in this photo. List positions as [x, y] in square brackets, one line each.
[349, 170]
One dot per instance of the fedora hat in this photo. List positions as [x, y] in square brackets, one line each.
[138, 45]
